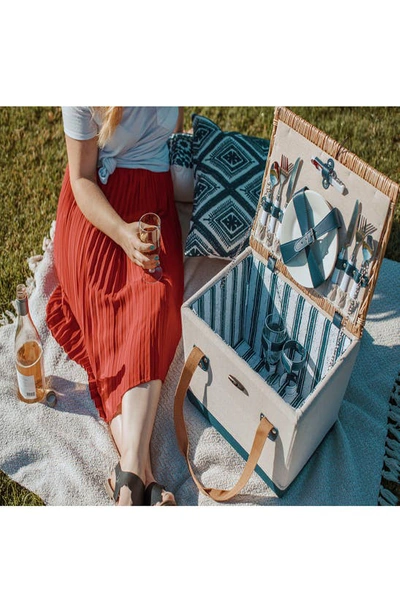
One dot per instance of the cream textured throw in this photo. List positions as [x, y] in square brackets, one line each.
[65, 454]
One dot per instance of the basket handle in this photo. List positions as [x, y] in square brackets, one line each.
[261, 435]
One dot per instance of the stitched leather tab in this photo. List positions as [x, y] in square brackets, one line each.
[337, 320]
[266, 204]
[276, 212]
[351, 270]
[341, 263]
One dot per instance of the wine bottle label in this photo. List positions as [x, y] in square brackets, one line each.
[26, 384]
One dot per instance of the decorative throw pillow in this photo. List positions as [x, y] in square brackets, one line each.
[228, 172]
[181, 164]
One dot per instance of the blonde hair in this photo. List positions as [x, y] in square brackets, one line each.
[110, 118]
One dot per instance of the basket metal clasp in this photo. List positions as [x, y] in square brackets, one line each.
[204, 362]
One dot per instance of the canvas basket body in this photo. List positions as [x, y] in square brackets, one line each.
[225, 375]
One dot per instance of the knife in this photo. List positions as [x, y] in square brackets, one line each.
[289, 192]
[292, 180]
[351, 230]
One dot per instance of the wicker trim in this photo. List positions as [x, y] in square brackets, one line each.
[355, 164]
[338, 152]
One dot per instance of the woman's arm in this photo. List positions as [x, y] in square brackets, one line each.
[82, 161]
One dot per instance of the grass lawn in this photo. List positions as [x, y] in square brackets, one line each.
[33, 158]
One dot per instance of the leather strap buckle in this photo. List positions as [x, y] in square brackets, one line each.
[307, 239]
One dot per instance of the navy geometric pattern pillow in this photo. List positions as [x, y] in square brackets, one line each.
[228, 171]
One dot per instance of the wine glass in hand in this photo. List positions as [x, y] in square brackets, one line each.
[150, 232]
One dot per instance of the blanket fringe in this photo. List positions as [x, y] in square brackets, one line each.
[387, 498]
[391, 460]
[9, 317]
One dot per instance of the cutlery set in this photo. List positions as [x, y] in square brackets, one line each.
[274, 210]
[347, 279]
[361, 231]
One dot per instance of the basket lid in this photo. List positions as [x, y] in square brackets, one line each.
[302, 225]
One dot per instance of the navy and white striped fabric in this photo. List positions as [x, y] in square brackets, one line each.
[235, 308]
[223, 306]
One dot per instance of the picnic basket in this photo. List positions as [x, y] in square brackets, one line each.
[288, 272]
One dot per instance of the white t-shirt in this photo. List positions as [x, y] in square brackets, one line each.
[139, 141]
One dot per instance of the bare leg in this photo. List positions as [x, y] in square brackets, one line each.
[120, 434]
[132, 430]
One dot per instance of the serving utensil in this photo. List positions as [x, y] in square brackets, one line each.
[368, 251]
[363, 229]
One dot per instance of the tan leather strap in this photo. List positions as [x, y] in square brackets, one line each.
[261, 435]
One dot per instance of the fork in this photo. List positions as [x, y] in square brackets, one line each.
[284, 173]
[363, 229]
[286, 169]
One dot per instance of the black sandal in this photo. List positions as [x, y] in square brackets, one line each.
[154, 494]
[132, 481]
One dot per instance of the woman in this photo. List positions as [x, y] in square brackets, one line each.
[122, 330]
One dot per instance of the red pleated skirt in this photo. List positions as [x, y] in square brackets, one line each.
[123, 331]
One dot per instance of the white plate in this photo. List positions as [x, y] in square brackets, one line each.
[326, 245]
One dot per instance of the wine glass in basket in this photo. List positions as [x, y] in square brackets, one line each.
[150, 232]
[274, 335]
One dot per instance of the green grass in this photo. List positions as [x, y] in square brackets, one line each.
[12, 494]
[33, 158]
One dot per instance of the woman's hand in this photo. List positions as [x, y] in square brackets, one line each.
[140, 253]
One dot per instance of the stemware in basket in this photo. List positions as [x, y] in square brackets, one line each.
[274, 335]
[293, 360]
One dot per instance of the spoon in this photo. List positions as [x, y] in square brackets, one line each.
[274, 176]
[267, 200]
[283, 176]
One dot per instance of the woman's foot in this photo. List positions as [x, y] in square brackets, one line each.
[126, 488]
[155, 495]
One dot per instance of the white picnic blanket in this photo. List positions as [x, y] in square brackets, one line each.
[64, 454]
